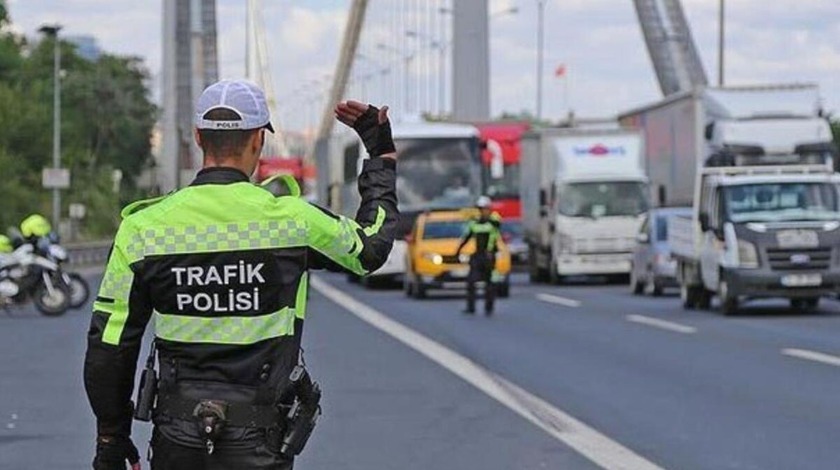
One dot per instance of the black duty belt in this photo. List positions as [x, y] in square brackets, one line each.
[237, 414]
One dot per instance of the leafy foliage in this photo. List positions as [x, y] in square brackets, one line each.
[107, 119]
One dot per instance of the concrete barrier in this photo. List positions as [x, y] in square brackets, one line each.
[88, 254]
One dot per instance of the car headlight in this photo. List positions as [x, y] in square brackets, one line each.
[747, 255]
[57, 252]
[434, 258]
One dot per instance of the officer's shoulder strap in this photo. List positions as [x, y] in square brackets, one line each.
[289, 185]
[138, 206]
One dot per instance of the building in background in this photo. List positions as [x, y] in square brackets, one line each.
[86, 46]
[190, 63]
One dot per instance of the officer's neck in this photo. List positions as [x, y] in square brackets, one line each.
[239, 163]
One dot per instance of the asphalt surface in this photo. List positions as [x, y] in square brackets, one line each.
[681, 389]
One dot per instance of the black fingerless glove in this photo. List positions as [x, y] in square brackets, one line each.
[113, 451]
[375, 136]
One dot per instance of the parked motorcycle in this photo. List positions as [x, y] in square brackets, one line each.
[79, 288]
[25, 274]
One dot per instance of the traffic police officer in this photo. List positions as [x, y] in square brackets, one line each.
[485, 230]
[222, 267]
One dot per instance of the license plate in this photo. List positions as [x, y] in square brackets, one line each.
[460, 272]
[797, 238]
[801, 280]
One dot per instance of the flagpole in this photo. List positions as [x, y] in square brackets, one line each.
[566, 90]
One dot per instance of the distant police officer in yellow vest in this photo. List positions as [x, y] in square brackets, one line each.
[485, 230]
[222, 266]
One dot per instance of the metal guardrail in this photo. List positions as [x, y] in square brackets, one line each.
[88, 253]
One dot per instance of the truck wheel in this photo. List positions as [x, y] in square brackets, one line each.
[688, 295]
[636, 287]
[704, 299]
[536, 274]
[652, 288]
[554, 278]
[805, 304]
[728, 300]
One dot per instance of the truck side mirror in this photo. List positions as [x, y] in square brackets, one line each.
[704, 221]
[709, 131]
[662, 195]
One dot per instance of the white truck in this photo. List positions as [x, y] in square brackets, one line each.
[584, 193]
[683, 130]
[766, 213]
[760, 231]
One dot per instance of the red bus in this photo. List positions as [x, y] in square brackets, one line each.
[272, 166]
[500, 157]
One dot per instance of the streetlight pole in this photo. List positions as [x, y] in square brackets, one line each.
[407, 59]
[721, 39]
[540, 47]
[51, 31]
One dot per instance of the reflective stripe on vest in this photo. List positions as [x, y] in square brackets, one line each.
[225, 330]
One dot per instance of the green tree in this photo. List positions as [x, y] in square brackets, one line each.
[107, 121]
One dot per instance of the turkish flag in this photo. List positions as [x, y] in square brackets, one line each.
[560, 71]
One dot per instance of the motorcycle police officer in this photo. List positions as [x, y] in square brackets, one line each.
[485, 230]
[222, 266]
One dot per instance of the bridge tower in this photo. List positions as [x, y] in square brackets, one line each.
[671, 45]
[190, 63]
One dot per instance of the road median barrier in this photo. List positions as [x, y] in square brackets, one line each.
[88, 254]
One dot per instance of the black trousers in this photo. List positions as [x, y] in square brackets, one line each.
[168, 455]
[481, 269]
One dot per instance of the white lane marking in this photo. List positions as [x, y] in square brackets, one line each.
[663, 324]
[556, 299]
[590, 443]
[812, 356]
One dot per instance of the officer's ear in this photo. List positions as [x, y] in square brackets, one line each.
[197, 136]
[258, 141]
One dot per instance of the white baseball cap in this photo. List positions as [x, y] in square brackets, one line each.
[483, 202]
[243, 97]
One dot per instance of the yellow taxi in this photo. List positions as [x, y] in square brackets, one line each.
[431, 262]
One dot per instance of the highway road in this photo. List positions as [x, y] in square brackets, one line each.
[562, 377]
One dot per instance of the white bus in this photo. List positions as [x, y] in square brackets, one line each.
[439, 167]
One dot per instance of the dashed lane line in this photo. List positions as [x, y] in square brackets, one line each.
[587, 441]
[556, 299]
[662, 324]
[815, 356]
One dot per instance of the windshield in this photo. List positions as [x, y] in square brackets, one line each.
[662, 228]
[602, 199]
[441, 230]
[782, 202]
[436, 173]
[506, 187]
[512, 228]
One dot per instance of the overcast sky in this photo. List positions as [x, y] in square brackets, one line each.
[599, 41]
